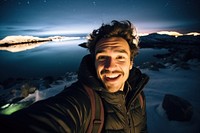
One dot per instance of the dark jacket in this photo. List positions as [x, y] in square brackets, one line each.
[70, 110]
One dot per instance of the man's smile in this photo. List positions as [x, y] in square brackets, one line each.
[112, 77]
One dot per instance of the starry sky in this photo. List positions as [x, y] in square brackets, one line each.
[53, 17]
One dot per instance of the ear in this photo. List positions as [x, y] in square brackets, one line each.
[131, 65]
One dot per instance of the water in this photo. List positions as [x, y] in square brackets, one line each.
[53, 59]
[147, 55]
[50, 59]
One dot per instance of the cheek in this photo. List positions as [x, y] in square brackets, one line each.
[127, 69]
[98, 68]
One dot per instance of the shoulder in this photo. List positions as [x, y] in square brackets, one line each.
[136, 75]
[137, 79]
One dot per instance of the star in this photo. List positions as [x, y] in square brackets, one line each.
[94, 3]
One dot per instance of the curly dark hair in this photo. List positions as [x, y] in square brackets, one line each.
[123, 29]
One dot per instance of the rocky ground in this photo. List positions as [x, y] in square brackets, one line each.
[15, 89]
[178, 57]
[181, 50]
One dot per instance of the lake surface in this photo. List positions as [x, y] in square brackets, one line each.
[53, 59]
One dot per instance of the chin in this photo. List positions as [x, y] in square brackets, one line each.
[113, 89]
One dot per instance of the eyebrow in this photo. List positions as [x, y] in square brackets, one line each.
[118, 51]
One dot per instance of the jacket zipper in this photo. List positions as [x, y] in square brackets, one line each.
[139, 88]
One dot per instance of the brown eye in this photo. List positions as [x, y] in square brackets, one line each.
[101, 58]
[120, 58]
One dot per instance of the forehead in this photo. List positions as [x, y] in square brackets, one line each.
[113, 43]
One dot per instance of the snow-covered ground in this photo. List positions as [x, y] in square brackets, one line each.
[182, 83]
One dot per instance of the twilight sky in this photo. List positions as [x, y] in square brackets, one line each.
[44, 17]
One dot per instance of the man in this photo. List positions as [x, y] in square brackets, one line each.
[109, 71]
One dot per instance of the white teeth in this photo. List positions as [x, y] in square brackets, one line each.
[112, 76]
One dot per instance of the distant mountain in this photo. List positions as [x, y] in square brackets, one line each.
[164, 40]
[13, 40]
[21, 43]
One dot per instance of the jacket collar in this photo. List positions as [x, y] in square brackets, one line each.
[87, 73]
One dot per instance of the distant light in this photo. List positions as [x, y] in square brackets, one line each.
[171, 33]
[61, 32]
[193, 33]
[143, 34]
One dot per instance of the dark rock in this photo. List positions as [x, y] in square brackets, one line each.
[27, 89]
[47, 81]
[84, 45]
[177, 108]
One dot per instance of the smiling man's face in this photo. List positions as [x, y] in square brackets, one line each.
[112, 62]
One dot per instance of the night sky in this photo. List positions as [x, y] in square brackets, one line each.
[45, 17]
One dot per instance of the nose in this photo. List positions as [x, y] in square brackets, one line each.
[110, 63]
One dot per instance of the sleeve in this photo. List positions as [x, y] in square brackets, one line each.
[65, 112]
